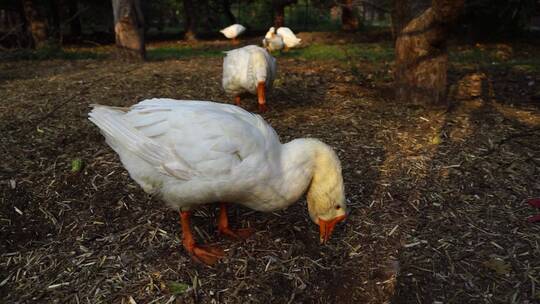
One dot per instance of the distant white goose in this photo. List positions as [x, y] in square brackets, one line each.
[272, 41]
[233, 31]
[191, 153]
[250, 69]
[289, 38]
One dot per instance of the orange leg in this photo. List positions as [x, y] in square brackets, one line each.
[237, 101]
[200, 253]
[223, 226]
[261, 97]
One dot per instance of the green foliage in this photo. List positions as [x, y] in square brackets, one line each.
[177, 288]
[76, 165]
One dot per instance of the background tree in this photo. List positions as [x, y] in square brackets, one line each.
[75, 26]
[421, 55]
[226, 5]
[349, 20]
[36, 23]
[189, 20]
[488, 18]
[129, 28]
[279, 11]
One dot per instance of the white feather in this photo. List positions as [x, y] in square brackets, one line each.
[243, 68]
[208, 152]
[272, 41]
[289, 38]
[233, 31]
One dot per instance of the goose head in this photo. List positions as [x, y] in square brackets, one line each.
[326, 193]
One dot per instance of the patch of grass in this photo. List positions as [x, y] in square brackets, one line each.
[371, 52]
[490, 58]
[47, 53]
[178, 52]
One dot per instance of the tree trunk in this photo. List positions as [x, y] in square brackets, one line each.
[399, 13]
[37, 24]
[75, 20]
[227, 10]
[349, 22]
[56, 28]
[129, 29]
[279, 11]
[279, 16]
[190, 25]
[421, 55]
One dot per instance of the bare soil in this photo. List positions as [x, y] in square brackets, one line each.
[436, 196]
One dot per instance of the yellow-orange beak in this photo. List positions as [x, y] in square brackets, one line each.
[326, 227]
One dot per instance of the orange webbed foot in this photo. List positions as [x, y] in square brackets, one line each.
[205, 254]
[237, 234]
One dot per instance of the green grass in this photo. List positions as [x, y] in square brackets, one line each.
[366, 51]
[371, 52]
[178, 52]
[489, 58]
[47, 53]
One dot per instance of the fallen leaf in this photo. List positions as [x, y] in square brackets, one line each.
[498, 265]
[76, 165]
[436, 139]
[177, 288]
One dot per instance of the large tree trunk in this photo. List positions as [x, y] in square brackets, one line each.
[349, 21]
[227, 10]
[36, 22]
[421, 55]
[75, 21]
[129, 29]
[189, 16]
[279, 11]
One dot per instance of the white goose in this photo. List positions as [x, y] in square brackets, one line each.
[249, 69]
[191, 153]
[289, 38]
[233, 31]
[272, 41]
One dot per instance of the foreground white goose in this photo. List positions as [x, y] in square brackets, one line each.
[249, 69]
[272, 41]
[191, 153]
[233, 31]
[289, 38]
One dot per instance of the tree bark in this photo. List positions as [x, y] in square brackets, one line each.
[129, 29]
[349, 21]
[75, 21]
[190, 25]
[37, 24]
[227, 10]
[421, 55]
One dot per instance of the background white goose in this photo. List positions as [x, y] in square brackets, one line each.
[272, 41]
[233, 31]
[196, 152]
[289, 38]
[250, 69]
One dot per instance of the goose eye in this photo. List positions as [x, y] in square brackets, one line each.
[338, 207]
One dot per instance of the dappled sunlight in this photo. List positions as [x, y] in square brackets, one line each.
[526, 117]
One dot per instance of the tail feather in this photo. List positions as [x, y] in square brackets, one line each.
[120, 134]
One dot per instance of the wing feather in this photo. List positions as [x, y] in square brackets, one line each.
[187, 139]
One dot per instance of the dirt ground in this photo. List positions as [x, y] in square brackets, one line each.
[436, 196]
